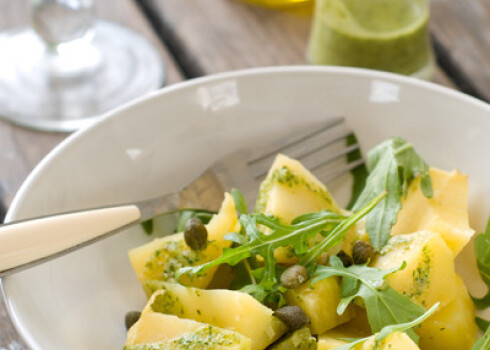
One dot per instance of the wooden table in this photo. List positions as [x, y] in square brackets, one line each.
[200, 37]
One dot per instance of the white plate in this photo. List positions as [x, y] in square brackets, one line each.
[161, 142]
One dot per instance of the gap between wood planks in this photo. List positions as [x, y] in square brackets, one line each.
[457, 75]
[191, 68]
[182, 57]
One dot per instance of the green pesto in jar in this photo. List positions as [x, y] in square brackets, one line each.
[389, 35]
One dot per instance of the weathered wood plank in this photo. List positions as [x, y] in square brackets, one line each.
[462, 29]
[220, 35]
[22, 149]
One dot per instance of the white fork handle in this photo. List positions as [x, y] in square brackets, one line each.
[32, 240]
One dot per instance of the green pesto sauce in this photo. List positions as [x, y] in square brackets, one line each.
[151, 286]
[397, 242]
[170, 257]
[204, 338]
[300, 339]
[285, 176]
[390, 35]
[421, 275]
[167, 303]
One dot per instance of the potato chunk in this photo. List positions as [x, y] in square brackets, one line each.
[445, 213]
[290, 190]
[222, 308]
[155, 327]
[170, 332]
[394, 341]
[453, 327]
[204, 338]
[319, 301]
[429, 276]
[161, 258]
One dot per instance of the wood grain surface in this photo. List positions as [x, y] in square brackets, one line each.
[462, 31]
[22, 149]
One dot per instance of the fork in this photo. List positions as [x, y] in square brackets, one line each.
[29, 242]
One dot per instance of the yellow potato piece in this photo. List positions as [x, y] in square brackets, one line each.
[429, 276]
[453, 327]
[155, 327]
[161, 258]
[445, 213]
[319, 301]
[394, 341]
[222, 308]
[290, 190]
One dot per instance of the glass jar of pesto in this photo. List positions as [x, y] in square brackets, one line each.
[389, 35]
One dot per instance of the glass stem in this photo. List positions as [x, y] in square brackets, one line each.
[66, 28]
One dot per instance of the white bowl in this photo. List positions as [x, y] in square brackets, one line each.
[162, 141]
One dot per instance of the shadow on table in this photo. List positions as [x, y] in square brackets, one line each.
[3, 211]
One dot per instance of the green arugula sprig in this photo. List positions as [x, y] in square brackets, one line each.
[386, 331]
[332, 226]
[484, 342]
[394, 164]
[308, 260]
[384, 305]
[482, 251]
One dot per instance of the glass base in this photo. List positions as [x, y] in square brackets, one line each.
[123, 66]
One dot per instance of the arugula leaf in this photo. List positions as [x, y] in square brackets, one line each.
[273, 298]
[295, 235]
[482, 251]
[338, 233]
[384, 305]
[147, 226]
[386, 331]
[359, 173]
[482, 324]
[394, 164]
[484, 342]
[240, 203]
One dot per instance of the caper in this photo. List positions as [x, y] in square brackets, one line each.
[293, 317]
[362, 252]
[131, 318]
[294, 276]
[195, 234]
[346, 259]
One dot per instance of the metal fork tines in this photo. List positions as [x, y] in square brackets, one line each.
[317, 149]
[329, 150]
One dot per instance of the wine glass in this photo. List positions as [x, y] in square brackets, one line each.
[70, 68]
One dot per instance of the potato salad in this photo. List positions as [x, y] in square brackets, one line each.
[300, 272]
